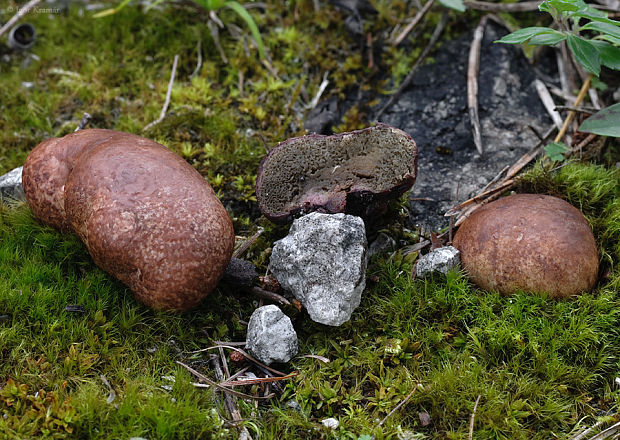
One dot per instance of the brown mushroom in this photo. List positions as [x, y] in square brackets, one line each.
[529, 242]
[146, 216]
[355, 173]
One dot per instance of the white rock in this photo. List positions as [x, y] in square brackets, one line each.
[439, 260]
[330, 423]
[271, 336]
[322, 261]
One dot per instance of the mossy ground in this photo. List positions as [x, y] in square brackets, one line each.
[542, 367]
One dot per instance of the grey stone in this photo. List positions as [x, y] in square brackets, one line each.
[322, 261]
[240, 273]
[271, 336]
[11, 185]
[439, 260]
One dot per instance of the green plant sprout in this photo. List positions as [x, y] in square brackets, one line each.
[593, 44]
[209, 5]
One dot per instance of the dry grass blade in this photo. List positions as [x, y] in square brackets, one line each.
[164, 109]
[472, 82]
[244, 353]
[473, 419]
[401, 403]
[241, 382]
[548, 103]
[571, 115]
[206, 382]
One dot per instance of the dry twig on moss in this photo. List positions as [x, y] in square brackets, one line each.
[164, 109]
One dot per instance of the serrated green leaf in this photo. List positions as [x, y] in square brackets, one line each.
[547, 39]
[605, 122]
[522, 35]
[556, 150]
[457, 5]
[603, 28]
[608, 53]
[585, 53]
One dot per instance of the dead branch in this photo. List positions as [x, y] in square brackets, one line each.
[472, 82]
[238, 350]
[607, 433]
[434, 38]
[249, 242]
[164, 109]
[418, 17]
[271, 296]
[241, 382]
[473, 417]
[20, 13]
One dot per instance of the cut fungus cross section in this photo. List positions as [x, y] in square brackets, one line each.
[354, 172]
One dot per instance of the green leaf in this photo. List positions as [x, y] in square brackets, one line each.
[605, 122]
[522, 35]
[585, 53]
[559, 5]
[457, 5]
[547, 39]
[556, 150]
[603, 28]
[112, 11]
[241, 11]
[609, 54]
[610, 38]
[596, 16]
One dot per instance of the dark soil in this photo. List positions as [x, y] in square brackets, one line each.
[433, 110]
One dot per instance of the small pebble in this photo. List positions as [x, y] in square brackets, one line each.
[331, 423]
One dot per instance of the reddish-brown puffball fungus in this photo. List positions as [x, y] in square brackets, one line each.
[354, 172]
[146, 216]
[529, 242]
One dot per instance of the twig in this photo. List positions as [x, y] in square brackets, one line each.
[472, 82]
[607, 433]
[162, 115]
[20, 13]
[209, 383]
[502, 7]
[480, 197]
[434, 38]
[495, 179]
[249, 242]
[199, 61]
[215, 34]
[463, 215]
[235, 383]
[548, 103]
[473, 417]
[581, 435]
[581, 145]
[586, 110]
[571, 115]
[229, 401]
[266, 294]
[559, 59]
[402, 402]
[84, 122]
[250, 358]
[419, 16]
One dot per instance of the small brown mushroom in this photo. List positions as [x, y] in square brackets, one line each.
[146, 216]
[355, 173]
[529, 242]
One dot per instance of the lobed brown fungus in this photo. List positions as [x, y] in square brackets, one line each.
[529, 242]
[146, 216]
[354, 173]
